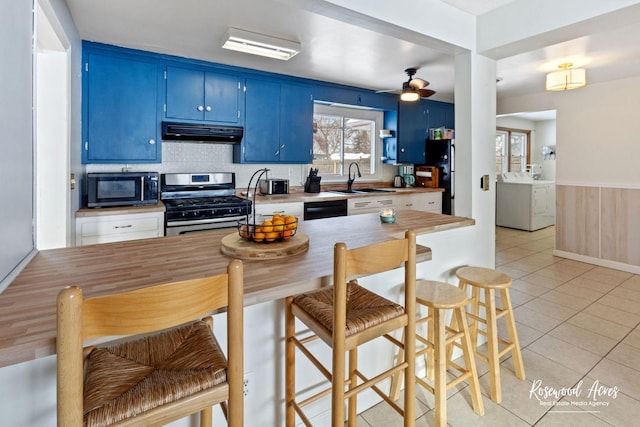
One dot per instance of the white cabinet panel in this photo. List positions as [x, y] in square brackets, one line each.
[426, 202]
[116, 228]
[362, 205]
[291, 208]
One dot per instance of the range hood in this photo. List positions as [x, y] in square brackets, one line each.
[201, 133]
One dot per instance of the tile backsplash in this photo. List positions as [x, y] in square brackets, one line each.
[197, 157]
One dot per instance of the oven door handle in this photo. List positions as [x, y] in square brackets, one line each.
[230, 219]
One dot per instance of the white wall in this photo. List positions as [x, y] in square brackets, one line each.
[596, 143]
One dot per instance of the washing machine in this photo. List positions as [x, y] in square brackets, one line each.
[524, 203]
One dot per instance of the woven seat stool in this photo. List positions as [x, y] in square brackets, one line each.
[345, 316]
[173, 368]
[439, 297]
[486, 281]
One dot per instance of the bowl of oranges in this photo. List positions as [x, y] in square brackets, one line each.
[268, 229]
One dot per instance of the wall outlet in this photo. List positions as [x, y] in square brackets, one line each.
[247, 383]
[484, 182]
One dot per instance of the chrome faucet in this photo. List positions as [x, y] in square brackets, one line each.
[351, 180]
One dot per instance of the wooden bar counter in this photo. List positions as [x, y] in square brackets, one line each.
[28, 305]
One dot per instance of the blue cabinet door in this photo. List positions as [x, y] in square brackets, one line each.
[120, 110]
[296, 124]
[412, 131]
[440, 114]
[261, 141]
[198, 95]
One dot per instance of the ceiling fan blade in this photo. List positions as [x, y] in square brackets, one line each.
[417, 83]
[387, 91]
[425, 93]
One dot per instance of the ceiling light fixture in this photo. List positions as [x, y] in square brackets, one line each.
[566, 79]
[408, 93]
[259, 44]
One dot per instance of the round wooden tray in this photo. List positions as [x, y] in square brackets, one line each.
[235, 246]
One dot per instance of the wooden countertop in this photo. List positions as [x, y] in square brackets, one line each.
[120, 210]
[28, 305]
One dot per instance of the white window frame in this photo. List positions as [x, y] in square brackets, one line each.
[356, 112]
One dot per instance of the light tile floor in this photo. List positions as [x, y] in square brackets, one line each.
[579, 329]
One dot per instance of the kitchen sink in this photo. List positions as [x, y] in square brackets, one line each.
[363, 191]
[374, 190]
[345, 191]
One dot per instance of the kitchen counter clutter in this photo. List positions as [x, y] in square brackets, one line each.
[28, 305]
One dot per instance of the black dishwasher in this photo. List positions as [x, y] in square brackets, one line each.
[325, 209]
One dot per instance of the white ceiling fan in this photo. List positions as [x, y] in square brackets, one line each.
[413, 89]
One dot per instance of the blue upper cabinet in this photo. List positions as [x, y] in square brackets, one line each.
[278, 123]
[412, 131]
[440, 114]
[296, 124]
[120, 109]
[194, 94]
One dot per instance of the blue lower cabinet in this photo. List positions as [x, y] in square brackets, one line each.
[120, 109]
[278, 124]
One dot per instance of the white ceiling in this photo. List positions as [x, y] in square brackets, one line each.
[333, 50]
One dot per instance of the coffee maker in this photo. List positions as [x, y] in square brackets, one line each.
[406, 172]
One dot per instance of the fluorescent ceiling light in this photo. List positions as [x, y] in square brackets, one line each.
[259, 44]
[566, 79]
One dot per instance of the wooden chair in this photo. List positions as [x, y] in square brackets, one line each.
[439, 297]
[347, 315]
[160, 376]
[488, 281]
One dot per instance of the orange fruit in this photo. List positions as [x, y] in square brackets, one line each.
[270, 237]
[243, 231]
[275, 216]
[291, 222]
[278, 224]
[258, 237]
[267, 226]
[286, 234]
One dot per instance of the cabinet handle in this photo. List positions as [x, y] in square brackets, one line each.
[208, 108]
[431, 203]
[402, 150]
[277, 153]
[152, 141]
[123, 226]
[282, 146]
[200, 108]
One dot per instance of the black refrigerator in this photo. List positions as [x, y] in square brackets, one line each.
[441, 153]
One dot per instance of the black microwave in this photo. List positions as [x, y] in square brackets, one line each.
[121, 189]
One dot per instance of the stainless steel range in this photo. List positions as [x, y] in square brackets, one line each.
[201, 201]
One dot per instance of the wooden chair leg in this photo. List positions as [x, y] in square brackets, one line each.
[290, 365]
[440, 367]
[513, 334]
[469, 361]
[396, 379]
[429, 355]
[206, 417]
[337, 385]
[492, 344]
[353, 382]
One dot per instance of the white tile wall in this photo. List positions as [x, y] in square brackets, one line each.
[197, 157]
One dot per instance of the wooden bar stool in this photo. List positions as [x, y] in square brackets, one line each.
[438, 297]
[489, 281]
[347, 315]
[162, 374]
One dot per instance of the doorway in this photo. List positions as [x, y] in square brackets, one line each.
[51, 122]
